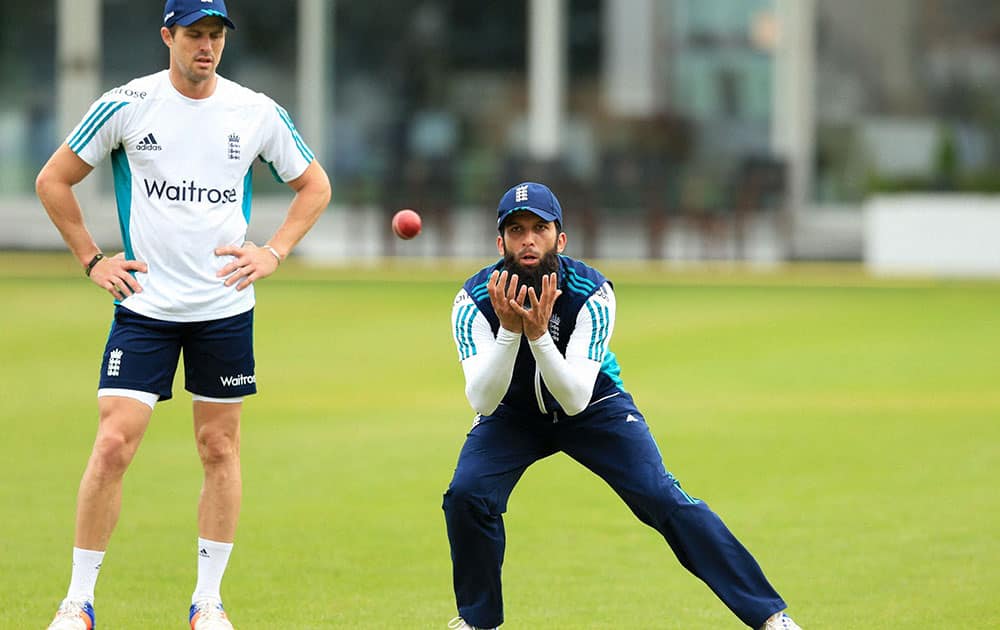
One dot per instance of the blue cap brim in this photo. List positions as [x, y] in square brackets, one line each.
[201, 14]
[543, 214]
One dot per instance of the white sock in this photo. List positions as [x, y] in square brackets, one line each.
[212, 560]
[86, 566]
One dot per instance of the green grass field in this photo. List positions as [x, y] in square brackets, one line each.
[846, 429]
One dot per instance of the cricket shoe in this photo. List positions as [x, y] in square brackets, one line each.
[459, 624]
[207, 614]
[74, 615]
[780, 621]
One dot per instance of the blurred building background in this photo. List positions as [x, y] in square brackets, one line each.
[762, 130]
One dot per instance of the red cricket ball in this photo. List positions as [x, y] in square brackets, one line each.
[406, 224]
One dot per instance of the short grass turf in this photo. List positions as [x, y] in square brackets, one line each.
[847, 429]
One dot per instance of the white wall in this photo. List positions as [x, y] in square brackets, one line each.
[952, 235]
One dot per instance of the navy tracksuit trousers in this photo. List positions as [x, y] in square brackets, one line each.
[612, 440]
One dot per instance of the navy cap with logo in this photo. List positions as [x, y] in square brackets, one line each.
[532, 197]
[187, 12]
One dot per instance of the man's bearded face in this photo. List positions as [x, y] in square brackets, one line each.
[530, 263]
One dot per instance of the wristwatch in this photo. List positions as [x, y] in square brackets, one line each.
[98, 257]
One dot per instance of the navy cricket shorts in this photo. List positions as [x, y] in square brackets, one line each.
[142, 354]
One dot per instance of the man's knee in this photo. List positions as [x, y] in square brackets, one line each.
[467, 495]
[122, 425]
[217, 447]
[113, 451]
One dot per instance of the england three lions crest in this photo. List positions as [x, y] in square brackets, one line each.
[234, 146]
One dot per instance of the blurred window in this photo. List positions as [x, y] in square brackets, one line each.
[431, 94]
[908, 97]
[28, 108]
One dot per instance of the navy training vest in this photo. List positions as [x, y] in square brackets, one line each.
[578, 282]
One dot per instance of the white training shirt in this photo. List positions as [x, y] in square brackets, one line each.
[182, 180]
[569, 378]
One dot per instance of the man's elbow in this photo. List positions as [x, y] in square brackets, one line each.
[575, 407]
[324, 191]
[576, 402]
[43, 181]
[480, 405]
[318, 186]
[312, 190]
[49, 185]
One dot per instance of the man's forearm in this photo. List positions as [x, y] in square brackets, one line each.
[302, 215]
[308, 204]
[570, 382]
[54, 186]
[64, 211]
[488, 375]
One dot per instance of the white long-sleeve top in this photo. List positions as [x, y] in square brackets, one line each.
[488, 360]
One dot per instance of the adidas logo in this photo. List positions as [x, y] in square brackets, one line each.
[631, 418]
[203, 552]
[148, 143]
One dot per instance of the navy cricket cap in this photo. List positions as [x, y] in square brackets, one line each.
[187, 12]
[535, 198]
